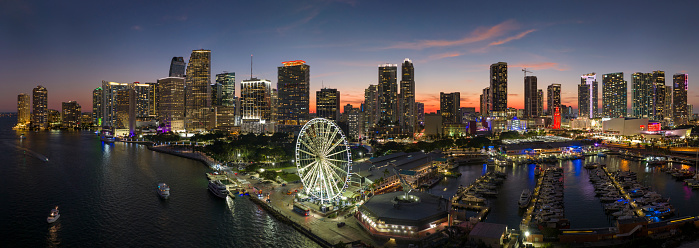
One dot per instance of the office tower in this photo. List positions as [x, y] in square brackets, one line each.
[23, 115]
[197, 83]
[667, 109]
[388, 95]
[539, 102]
[328, 104]
[70, 112]
[224, 92]
[407, 97]
[679, 99]
[658, 108]
[498, 87]
[587, 96]
[256, 100]
[171, 103]
[145, 101]
[449, 106]
[553, 98]
[110, 104]
[420, 111]
[97, 107]
[531, 100]
[690, 111]
[126, 108]
[274, 106]
[354, 122]
[293, 86]
[564, 112]
[177, 67]
[485, 102]
[642, 95]
[40, 107]
[614, 100]
[371, 107]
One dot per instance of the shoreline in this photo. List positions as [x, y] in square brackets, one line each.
[198, 156]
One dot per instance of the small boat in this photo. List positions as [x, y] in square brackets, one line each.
[163, 190]
[601, 154]
[53, 216]
[473, 198]
[525, 198]
[218, 189]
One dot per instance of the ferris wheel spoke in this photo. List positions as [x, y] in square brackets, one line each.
[309, 165]
[308, 146]
[330, 168]
[332, 143]
[309, 154]
[333, 148]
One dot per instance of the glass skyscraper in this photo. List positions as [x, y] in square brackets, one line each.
[328, 104]
[177, 67]
[388, 94]
[197, 83]
[614, 100]
[293, 92]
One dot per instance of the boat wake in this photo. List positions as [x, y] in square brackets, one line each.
[30, 152]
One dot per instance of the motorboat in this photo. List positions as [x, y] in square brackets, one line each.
[525, 198]
[473, 198]
[163, 190]
[218, 188]
[53, 216]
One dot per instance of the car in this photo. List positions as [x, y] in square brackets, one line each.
[341, 224]
[283, 184]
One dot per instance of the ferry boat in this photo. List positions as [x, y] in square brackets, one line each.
[53, 216]
[107, 134]
[163, 190]
[218, 189]
[525, 198]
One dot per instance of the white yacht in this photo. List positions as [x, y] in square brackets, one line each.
[217, 188]
[53, 216]
[163, 190]
[525, 198]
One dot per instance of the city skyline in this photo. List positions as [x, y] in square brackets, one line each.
[454, 57]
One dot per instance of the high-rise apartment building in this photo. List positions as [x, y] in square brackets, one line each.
[177, 67]
[642, 95]
[371, 107]
[388, 94]
[171, 103]
[553, 99]
[145, 100]
[680, 83]
[197, 83]
[97, 107]
[53, 118]
[485, 102]
[328, 104]
[449, 107]
[531, 100]
[40, 107]
[614, 100]
[420, 112]
[115, 100]
[498, 88]
[354, 123]
[293, 87]
[255, 100]
[70, 113]
[667, 109]
[539, 102]
[587, 96]
[223, 93]
[23, 113]
[658, 109]
[406, 110]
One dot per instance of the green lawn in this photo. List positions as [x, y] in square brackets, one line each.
[280, 168]
[290, 177]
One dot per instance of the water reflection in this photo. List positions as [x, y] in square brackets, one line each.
[52, 238]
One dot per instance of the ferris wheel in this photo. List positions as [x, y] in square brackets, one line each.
[323, 159]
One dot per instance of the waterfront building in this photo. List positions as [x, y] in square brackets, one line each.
[145, 100]
[293, 87]
[485, 102]
[97, 106]
[553, 99]
[53, 118]
[40, 107]
[255, 106]
[498, 88]
[224, 118]
[23, 115]
[328, 104]
[224, 92]
[406, 110]
[71, 113]
[171, 106]
[420, 112]
[540, 102]
[371, 107]
[587, 96]
[658, 109]
[679, 99]
[625, 126]
[614, 100]
[642, 95]
[86, 119]
[531, 97]
[197, 83]
[111, 116]
[449, 106]
[388, 94]
[177, 67]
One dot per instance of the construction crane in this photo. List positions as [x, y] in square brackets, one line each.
[525, 72]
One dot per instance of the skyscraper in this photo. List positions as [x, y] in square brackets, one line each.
[667, 109]
[680, 83]
[407, 97]
[553, 98]
[224, 93]
[371, 107]
[197, 83]
[171, 103]
[115, 104]
[97, 107]
[449, 106]
[354, 123]
[255, 100]
[642, 95]
[23, 115]
[328, 104]
[420, 111]
[177, 67]
[70, 112]
[498, 88]
[614, 100]
[40, 107]
[658, 80]
[293, 87]
[388, 93]
[485, 102]
[539, 102]
[587, 96]
[530, 97]
[145, 109]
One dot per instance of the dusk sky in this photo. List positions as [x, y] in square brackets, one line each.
[71, 46]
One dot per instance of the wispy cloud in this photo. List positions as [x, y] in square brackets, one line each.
[480, 34]
[511, 38]
[442, 56]
[136, 27]
[541, 66]
[313, 12]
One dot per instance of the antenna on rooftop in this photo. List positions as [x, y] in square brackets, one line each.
[251, 66]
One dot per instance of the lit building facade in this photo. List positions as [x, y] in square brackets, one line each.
[420, 112]
[539, 102]
[449, 106]
[145, 100]
[406, 110]
[40, 107]
[485, 102]
[328, 104]
[371, 107]
[642, 95]
[680, 84]
[354, 123]
[97, 106]
[293, 89]
[197, 83]
[498, 88]
[111, 116]
[223, 94]
[23, 113]
[658, 109]
[614, 100]
[667, 110]
[255, 105]
[71, 112]
[388, 93]
[171, 103]
[531, 98]
[587, 96]
[553, 99]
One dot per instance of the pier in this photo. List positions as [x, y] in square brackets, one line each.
[530, 208]
[623, 192]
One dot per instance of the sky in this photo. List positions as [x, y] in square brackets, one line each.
[71, 46]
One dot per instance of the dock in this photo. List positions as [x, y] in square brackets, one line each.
[623, 192]
[532, 203]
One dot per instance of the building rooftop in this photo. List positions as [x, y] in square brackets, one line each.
[374, 168]
[488, 230]
[385, 207]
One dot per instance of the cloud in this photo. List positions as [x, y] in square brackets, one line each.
[136, 27]
[311, 14]
[541, 66]
[513, 95]
[511, 38]
[442, 56]
[480, 34]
